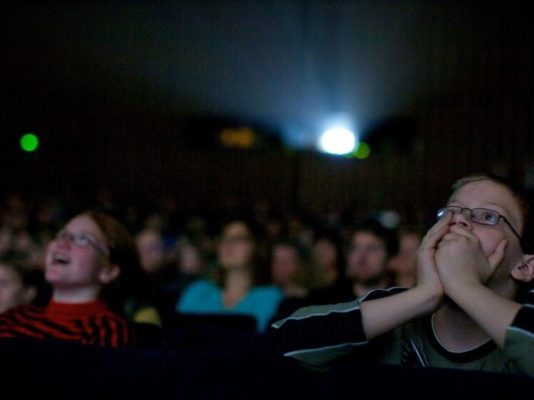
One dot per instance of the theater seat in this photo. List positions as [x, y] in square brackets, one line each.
[216, 332]
[148, 336]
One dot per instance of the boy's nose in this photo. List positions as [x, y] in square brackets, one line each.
[463, 219]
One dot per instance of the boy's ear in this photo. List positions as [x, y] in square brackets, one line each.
[524, 271]
[109, 273]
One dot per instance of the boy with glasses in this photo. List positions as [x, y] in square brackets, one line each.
[464, 311]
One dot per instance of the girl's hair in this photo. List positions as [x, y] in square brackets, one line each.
[131, 283]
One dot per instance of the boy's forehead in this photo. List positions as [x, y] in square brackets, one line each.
[485, 192]
[488, 194]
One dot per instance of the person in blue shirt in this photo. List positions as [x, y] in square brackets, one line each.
[236, 287]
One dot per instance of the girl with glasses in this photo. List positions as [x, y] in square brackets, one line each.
[84, 264]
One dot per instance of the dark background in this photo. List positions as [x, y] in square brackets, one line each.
[129, 97]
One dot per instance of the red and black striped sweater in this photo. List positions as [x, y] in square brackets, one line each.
[88, 323]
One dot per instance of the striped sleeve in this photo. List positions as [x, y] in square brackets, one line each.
[20, 321]
[106, 329]
[519, 342]
[318, 336]
[110, 330]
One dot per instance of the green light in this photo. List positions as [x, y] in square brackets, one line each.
[29, 142]
[363, 151]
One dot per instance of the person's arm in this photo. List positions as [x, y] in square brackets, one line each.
[382, 316]
[510, 324]
[519, 340]
[462, 268]
[317, 336]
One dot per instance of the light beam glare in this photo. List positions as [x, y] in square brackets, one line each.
[338, 141]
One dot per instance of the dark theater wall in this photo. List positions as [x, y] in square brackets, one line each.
[465, 70]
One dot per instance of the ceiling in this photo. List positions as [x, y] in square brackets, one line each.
[95, 69]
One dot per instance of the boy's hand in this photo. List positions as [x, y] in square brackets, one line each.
[461, 260]
[427, 275]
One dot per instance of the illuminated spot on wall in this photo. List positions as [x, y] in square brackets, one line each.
[29, 142]
[363, 151]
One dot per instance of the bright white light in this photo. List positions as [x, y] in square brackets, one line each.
[337, 141]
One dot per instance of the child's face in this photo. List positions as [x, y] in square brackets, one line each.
[71, 263]
[11, 288]
[492, 196]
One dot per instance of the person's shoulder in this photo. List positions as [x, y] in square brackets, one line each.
[380, 293]
[203, 283]
[201, 286]
[108, 314]
[267, 291]
[529, 298]
[27, 309]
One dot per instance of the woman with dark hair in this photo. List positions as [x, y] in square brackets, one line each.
[239, 283]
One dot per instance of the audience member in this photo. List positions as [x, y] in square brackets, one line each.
[367, 255]
[240, 282]
[463, 312]
[290, 270]
[168, 285]
[327, 258]
[17, 285]
[83, 264]
[152, 252]
[401, 266]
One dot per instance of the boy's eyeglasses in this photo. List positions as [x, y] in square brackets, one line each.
[481, 216]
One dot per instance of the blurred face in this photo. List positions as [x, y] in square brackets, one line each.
[366, 258]
[11, 289]
[492, 196]
[236, 246]
[76, 257]
[404, 260]
[284, 267]
[324, 253]
[189, 259]
[151, 252]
